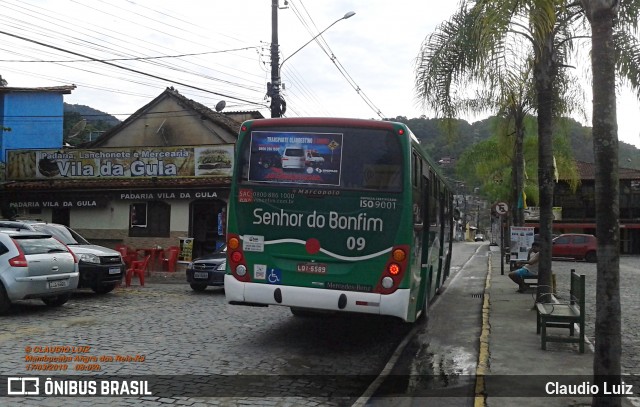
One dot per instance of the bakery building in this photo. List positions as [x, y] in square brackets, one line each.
[159, 177]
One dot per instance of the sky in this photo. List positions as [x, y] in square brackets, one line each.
[220, 50]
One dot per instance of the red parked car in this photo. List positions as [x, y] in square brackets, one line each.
[575, 245]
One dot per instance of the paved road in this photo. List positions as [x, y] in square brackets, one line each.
[196, 336]
[170, 331]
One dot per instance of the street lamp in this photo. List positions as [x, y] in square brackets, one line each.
[278, 106]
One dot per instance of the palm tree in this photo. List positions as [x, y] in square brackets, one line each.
[609, 43]
[481, 44]
[478, 38]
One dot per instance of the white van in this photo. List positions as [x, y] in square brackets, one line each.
[293, 157]
[313, 158]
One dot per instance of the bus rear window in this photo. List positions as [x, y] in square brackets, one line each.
[348, 157]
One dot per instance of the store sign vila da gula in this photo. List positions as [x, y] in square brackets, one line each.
[123, 162]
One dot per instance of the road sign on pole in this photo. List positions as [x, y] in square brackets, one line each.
[501, 208]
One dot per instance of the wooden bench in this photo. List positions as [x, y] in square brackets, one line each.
[564, 315]
[532, 282]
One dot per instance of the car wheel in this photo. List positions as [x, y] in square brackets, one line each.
[56, 301]
[591, 257]
[5, 303]
[104, 289]
[198, 287]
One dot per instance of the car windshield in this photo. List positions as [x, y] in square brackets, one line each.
[63, 233]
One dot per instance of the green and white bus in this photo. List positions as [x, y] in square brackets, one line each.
[359, 220]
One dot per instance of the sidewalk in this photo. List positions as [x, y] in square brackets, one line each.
[513, 349]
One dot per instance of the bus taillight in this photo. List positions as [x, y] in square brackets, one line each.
[399, 255]
[233, 243]
[235, 257]
[394, 270]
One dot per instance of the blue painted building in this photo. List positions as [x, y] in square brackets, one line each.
[31, 117]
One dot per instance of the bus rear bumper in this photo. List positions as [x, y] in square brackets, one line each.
[395, 304]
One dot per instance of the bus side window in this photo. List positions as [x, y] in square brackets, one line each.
[434, 202]
[416, 166]
[245, 164]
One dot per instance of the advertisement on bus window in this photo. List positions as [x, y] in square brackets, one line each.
[295, 157]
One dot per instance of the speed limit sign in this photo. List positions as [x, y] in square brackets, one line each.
[501, 208]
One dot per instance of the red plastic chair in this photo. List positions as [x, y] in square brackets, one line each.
[172, 259]
[128, 254]
[138, 267]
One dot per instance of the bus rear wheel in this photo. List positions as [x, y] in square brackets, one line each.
[307, 313]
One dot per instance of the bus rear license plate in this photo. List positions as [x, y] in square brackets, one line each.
[201, 274]
[313, 268]
[58, 283]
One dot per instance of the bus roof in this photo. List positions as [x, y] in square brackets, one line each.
[320, 121]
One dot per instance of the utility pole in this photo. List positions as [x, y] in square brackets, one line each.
[278, 104]
[273, 89]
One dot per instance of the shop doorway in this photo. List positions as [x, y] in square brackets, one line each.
[207, 226]
[61, 216]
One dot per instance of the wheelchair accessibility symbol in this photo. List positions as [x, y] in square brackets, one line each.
[274, 276]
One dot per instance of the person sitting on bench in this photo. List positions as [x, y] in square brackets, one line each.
[526, 269]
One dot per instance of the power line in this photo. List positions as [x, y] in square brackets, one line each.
[125, 68]
[135, 58]
[337, 64]
[117, 48]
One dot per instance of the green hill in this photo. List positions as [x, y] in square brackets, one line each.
[92, 115]
[440, 146]
[83, 123]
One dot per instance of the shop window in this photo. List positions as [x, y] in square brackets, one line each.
[138, 215]
[149, 219]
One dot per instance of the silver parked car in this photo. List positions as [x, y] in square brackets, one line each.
[35, 265]
[101, 268]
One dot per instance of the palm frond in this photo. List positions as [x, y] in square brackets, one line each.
[627, 48]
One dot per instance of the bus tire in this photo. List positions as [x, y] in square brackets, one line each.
[299, 312]
[308, 313]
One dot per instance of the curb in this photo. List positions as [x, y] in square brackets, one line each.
[483, 355]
